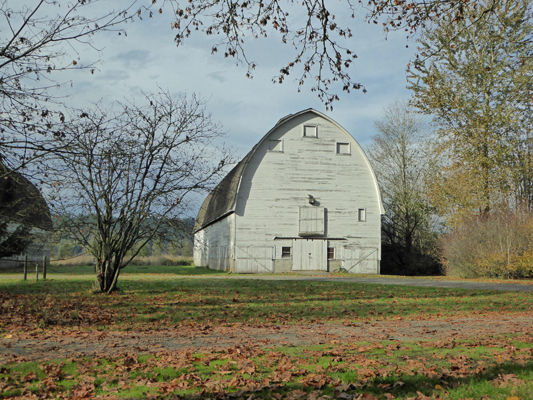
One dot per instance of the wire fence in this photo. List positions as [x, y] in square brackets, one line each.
[42, 262]
[22, 264]
[20, 258]
[27, 265]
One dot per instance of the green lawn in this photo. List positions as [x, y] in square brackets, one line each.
[77, 270]
[175, 299]
[498, 367]
[484, 370]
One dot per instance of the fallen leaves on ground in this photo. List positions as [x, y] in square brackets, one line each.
[215, 352]
[249, 371]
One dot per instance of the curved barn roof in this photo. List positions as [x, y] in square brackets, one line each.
[222, 199]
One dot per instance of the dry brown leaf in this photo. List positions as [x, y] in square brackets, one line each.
[295, 395]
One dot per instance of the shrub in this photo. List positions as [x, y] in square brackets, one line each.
[160, 260]
[396, 260]
[499, 245]
[167, 261]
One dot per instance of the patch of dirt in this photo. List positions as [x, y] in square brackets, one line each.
[73, 342]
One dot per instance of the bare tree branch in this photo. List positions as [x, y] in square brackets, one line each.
[33, 49]
[124, 177]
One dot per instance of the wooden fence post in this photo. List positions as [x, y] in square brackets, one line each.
[44, 267]
[36, 271]
[25, 266]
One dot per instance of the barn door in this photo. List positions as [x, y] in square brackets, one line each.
[310, 255]
[252, 259]
[361, 260]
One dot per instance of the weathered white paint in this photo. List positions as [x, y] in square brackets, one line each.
[312, 221]
[310, 255]
[213, 246]
[254, 259]
[273, 205]
[361, 260]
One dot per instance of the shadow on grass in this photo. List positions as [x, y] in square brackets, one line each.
[500, 381]
[84, 270]
[152, 297]
[216, 301]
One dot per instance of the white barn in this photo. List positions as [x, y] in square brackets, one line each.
[304, 198]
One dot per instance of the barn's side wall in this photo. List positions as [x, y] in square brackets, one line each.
[276, 183]
[213, 245]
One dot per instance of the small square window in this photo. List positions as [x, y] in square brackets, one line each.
[343, 148]
[275, 145]
[331, 253]
[285, 252]
[310, 131]
[362, 215]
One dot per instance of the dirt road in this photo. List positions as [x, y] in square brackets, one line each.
[78, 343]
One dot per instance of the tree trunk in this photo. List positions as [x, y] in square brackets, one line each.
[106, 277]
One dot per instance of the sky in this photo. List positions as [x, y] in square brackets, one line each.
[148, 60]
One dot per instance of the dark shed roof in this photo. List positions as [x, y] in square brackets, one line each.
[22, 202]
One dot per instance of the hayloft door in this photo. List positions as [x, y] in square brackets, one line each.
[310, 255]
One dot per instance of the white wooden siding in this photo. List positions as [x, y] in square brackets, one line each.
[276, 184]
[213, 245]
[311, 221]
[310, 255]
[220, 257]
[361, 260]
[254, 259]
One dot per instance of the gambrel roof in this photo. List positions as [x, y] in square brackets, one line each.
[222, 199]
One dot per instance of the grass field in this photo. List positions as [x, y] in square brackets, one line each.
[499, 367]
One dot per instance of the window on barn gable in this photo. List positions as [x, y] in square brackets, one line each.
[310, 131]
[311, 221]
[275, 145]
[343, 148]
[362, 215]
[285, 252]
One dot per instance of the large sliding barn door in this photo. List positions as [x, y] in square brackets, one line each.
[361, 260]
[310, 255]
[253, 259]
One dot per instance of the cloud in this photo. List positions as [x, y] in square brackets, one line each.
[133, 58]
[114, 75]
[217, 76]
[148, 59]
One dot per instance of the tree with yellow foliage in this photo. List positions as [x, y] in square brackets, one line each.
[474, 79]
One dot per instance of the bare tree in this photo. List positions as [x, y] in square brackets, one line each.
[124, 177]
[37, 41]
[400, 159]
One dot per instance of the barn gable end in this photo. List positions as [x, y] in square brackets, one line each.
[304, 198]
